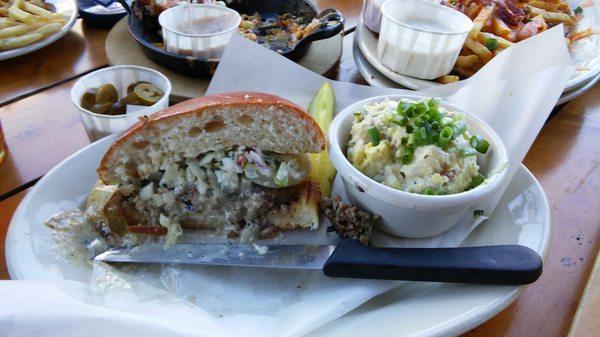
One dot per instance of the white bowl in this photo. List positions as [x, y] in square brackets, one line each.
[421, 38]
[408, 214]
[202, 45]
[98, 125]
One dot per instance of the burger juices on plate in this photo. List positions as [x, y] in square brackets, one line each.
[236, 163]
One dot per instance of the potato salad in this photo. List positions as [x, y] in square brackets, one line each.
[416, 146]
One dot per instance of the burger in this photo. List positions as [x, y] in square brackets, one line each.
[234, 163]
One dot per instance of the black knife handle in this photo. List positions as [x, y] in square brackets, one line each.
[509, 264]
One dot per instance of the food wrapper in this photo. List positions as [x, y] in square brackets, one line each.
[514, 93]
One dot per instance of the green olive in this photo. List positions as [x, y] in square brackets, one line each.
[147, 94]
[103, 109]
[88, 99]
[134, 84]
[107, 93]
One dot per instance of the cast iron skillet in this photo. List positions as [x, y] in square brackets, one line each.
[148, 36]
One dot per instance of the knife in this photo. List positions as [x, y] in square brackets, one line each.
[505, 264]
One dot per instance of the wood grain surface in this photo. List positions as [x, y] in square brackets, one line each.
[586, 322]
[42, 128]
[78, 52]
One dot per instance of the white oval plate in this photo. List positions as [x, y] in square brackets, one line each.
[377, 79]
[66, 8]
[522, 217]
[585, 53]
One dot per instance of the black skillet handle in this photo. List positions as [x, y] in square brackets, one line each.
[333, 24]
[510, 264]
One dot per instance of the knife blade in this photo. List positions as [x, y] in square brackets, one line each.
[505, 264]
[225, 254]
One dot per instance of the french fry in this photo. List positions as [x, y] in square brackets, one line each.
[6, 22]
[19, 41]
[479, 49]
[31, 8]
[18, 14]
[17, 30]
[500, 28]
[48, 29]
[551, 17]
[481, 19]
[548, 6]
[502, 43]
[466, 61]
[445, 79]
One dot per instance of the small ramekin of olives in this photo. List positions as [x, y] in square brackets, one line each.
[112, 99]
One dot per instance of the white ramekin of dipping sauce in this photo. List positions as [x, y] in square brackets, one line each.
[198, 30]
[421, 38]
[408, 214]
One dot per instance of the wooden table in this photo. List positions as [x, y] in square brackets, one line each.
[42, 128]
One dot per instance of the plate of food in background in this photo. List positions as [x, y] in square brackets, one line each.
[497, 25]
[28, 25]
[286, 27]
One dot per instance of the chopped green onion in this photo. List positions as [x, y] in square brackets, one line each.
[490, 43]
[467, 152]
[421, 120]
[404, 140]
[479, 144]
[445, 137]
[578, 10]
[406, 157]
[403, 107]
[357, 113]
[433, 103]
[429, 191]
[483, 146]
[478, 212]
[400, 120]
[411, 143]
[477, 180]
[409, 128]
[435, 126]
[421, 108]
[434, 114]
[374, 135]
[421, 136]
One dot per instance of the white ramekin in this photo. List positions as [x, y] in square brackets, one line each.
[204, 46]
[98, 125]
[412, 50]
[408, 214]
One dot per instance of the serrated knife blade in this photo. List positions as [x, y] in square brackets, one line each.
[225, 254]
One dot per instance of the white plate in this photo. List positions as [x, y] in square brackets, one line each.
[585, 53]
[522, 217]
[66, 8]
[377, 79]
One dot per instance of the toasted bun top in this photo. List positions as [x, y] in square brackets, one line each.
[210, 123]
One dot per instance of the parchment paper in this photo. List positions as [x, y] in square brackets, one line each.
[514, 93]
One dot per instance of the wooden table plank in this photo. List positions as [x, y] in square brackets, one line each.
[586, 322]
[565, 158]
[40, 131]
[7, 208]
[78, 52]
[349, 8]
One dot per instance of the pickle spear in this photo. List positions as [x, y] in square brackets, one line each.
[321, 109]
